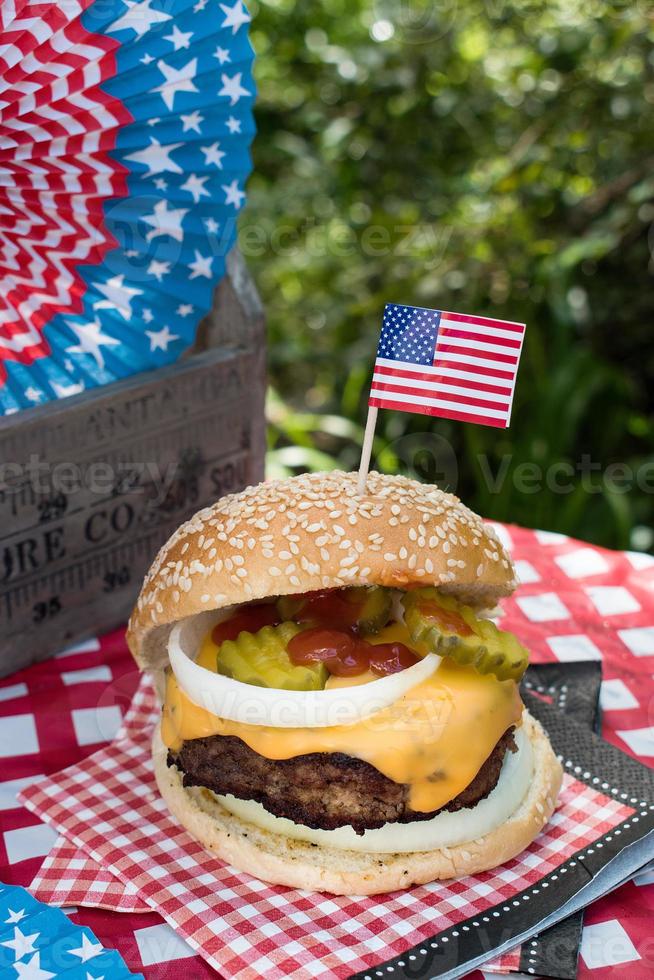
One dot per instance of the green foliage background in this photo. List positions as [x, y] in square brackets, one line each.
[490, 157]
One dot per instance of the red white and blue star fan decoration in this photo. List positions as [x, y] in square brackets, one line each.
[125, 128]
[38, 942]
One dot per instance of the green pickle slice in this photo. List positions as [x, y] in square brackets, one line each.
[451, 629]
[376, 606]
[261, 659]
[289, 605]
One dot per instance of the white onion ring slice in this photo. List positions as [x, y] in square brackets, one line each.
[235, 701]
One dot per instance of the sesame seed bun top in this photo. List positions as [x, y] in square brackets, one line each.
[314, 532]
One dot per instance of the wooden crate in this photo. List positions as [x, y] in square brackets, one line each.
[91, 486]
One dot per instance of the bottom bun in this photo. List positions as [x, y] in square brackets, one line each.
[282, 860]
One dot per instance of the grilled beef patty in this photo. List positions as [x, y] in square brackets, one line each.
[320, 790]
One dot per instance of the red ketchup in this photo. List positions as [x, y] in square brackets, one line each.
[329, 608]
[447, 619]
[345, 655]
[250, 619]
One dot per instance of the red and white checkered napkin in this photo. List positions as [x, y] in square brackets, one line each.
[109, 807]
[68, 877]
[506, 963]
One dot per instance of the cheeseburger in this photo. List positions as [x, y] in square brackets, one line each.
[338, 711]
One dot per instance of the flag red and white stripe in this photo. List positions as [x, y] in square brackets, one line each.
[471, 378]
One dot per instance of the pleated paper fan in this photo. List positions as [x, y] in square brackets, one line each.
[125, 129]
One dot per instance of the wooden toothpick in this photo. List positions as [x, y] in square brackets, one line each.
[366, 449]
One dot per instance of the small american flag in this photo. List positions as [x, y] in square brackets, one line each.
[448, 364]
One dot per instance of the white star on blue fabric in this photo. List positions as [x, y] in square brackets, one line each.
[176, 80]
[179, 39]
[235, 16]
[139, 17]
[165, 222]
[195, 187]
[201, 266]
[15, 916]
[213, 154]
[160, 339]
[158, 269]
[31, 970]
[233, 195]
[232, 87]
[22, 944]
[87, 950]
[117, 295]
[157, 158]
[192, 122]
[65, 391]
[91, 339]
